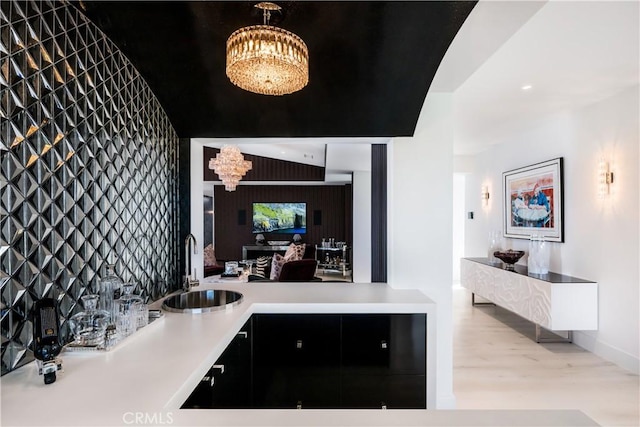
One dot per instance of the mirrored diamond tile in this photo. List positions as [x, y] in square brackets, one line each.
[12, 354]
[11, 166]
[41, 287]
[12, 293]
[11, 230]
[68, 305]
[24, 334]
[77, 114]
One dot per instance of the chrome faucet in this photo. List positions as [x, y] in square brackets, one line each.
[189, 282]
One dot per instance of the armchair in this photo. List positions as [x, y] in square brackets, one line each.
[302, 270]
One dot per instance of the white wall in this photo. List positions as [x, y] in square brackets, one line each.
[362, 226]
[196, 150]
[420, 209]
[458, 218]
[601, 236]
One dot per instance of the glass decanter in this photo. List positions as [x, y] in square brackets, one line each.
[109, 290]
[88, 326]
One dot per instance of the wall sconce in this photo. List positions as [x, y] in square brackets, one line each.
[485, 195]
[605, 178]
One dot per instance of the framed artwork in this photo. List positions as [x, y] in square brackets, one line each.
[533, 201]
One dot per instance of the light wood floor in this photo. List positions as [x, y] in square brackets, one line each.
[498, 365]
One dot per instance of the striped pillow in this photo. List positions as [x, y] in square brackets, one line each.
[262, 264]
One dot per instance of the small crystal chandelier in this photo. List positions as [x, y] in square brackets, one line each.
[267, 60]
[230, 166]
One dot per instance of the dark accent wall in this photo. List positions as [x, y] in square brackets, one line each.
[267, 169]
[348, 213]
[379, 213]
[334, 201]
[184, 201]
[89, 166]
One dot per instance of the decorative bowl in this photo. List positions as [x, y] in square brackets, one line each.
[509, 257]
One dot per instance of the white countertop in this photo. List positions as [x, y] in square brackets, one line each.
[145, 379]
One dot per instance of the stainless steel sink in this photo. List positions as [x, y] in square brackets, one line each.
[202, 301]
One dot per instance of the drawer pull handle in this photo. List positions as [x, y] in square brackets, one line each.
[299, 344]
[243, 334]
[208, 379]
[221, 367]
[383, 345]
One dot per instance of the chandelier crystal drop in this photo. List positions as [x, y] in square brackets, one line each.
[267, 60]
[230, 166]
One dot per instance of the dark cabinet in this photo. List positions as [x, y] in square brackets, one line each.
[296, 361]
[384, 392]
[320, 361]
[384, 361]
[384, 344]
[227, 384]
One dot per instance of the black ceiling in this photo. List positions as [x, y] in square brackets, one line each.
[370, 67]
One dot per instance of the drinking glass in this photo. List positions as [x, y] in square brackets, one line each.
[231, 267]
[128, 308]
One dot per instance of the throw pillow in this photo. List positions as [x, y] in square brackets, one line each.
[262, 263]
[276, 266]
[209, 256]
[294, 252]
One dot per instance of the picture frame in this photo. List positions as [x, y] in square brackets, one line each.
[533, 201]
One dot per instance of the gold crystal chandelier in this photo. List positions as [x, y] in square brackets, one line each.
[230, 166]
[267, 60]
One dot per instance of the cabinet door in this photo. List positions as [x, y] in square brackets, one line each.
[297, 341]
[227, 384]
[384, 391]
[296, 361]
[384, 344]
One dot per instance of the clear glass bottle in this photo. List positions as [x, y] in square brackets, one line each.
[132, 312]
[109, 290]
[89, 326]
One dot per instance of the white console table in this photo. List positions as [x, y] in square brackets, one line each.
[553, 301]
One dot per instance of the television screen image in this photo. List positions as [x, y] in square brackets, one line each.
[290, 218]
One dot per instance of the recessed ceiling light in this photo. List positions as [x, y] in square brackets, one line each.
[526, 87]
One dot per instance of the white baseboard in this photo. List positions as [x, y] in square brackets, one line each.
[446, 401]
[608, 352]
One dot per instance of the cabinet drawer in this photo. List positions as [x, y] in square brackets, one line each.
[275, 388]
[296, 341]
[388, 391]
[384, 344]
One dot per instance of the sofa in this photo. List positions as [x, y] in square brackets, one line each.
[302, 270]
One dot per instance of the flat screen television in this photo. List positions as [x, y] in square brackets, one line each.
[289, 218]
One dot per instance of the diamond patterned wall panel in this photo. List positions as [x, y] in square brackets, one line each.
[89, 170]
